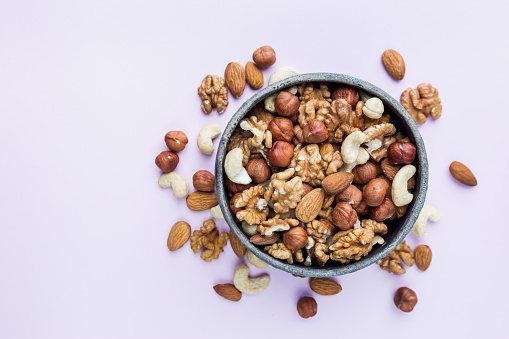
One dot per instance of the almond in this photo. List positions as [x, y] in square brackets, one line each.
[235, 78]
[422, 257]
[179, 235]
[201, 201]
[238, 248]
[337, 182]
[259, 239]
[228, 291]
[309, 207]
[394, 64]
[325, 286]
[462, 173]
[254, 75]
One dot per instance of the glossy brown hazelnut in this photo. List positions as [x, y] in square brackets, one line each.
[258, 170]
[264, 56]
[233, 201]
[281, 154]
[383, 211]
[176, 140]
[351, 195]
[344, 216]
[307, 307]
[167, 161]
[348, 93]
[307, 188]
[405, 299]
[287, 104]
[315, 132]
[234, 187]
[281, 129]
[295, 238]
[401, 153]
[204, 181]
[362, 208]
[362, 174]
[374, 191]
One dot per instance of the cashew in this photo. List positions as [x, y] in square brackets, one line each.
[249, 229]
[255, 261]
[364, 96]
[233, 167]
[399, 191]
[351, 145]
[427, 213]
[282, 73]
[205, 137]
[362, 158]
[357, 224]
[377, 240]
[373, 108]
[216, 212]
[175, 181]
[244, 284]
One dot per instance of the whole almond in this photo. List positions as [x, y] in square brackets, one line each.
[235, 78]
[238, 248]
[228, 291]
[179, 235]
[254, 75]
[462, 173]
[337, 182]
[201, 201]
[259, 239]
[422, 255]
[394, 64]
[309, 207]
[325, 286]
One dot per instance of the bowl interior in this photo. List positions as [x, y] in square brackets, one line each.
[397, 229]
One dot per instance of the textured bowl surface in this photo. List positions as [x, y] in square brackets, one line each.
[398, 229]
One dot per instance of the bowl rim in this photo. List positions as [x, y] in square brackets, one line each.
[326, 271]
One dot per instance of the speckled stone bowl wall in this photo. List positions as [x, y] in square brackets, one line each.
[398, 228]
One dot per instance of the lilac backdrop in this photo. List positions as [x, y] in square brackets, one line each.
[87, 92]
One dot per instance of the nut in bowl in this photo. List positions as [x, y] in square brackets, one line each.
[316, 178]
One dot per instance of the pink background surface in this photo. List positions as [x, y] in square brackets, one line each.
[87, 92]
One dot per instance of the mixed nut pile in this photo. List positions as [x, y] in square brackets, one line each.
[314, 173]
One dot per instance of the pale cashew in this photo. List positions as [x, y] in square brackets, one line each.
[357, 224]
[308, 262]
[351, 145]
[377, 240]
[282, 73]
[175, 181]
[205, 137]
[373, 108]
[362, 158]
[234, 169]
[399, 191]
[216, 212]
[427, 213]
[249, 229]
[244, 284]
[364, 96]
[255, 261]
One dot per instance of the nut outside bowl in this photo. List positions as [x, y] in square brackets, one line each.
[398, 228]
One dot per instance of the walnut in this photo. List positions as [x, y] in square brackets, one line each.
[332, 157]
[298, 256]
[240, 139]
[317, 254]
[276, 224]
[261, 136]
[315, 102]
[349, 121]
[254, 207]
[375, 135]
[422, 102]
[279, 250]
[319, 230]
[262, 114]
[381, 152]
[283, 192]
[308, 164]
[378, 227]
[208, 237]
[352, 246]
[213, 93]
[392, 262]
[384, 119]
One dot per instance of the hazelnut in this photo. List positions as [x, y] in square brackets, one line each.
[383, 211]
[307, 188]
[307, 307]
[405, 299]
[258, 170]
[295, 238]
[362, 208]
[351, 195]
[315, 132]
[401, 153]
[204, 181]
[374, 191]
[348, 93]
[281, 154]
[167, 161]
[362, 174]
[176, 140]
[233, 201]
[344, 216]
[234, 187]
[287, 105]
[264, 56]
[281, 129]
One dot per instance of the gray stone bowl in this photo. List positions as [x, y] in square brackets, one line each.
[398, 228]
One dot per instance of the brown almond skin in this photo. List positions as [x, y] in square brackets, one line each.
[179, 235]
[228, 291]
[307, 307]
[309, 207]
[405, 299]
[201, 201]
[167, 161]
[176, 140]
[307, 188]
[422, 255]
[264, 56]
[337, 182]
[254, 76]
[394, 64]
[235, 78]
[259, 239]
[204, 181]
[462, 173]
[238, 248]
[325, 286]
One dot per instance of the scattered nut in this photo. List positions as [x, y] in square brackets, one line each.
[394, 64]
[281, 74]
[325, 286]
[400, 195]
[235, 78]
[462, 173]
[208, 237]
[216, 212]
[179, 235]
[228, 291]
[214, 94]
[175, 181]
[176, 140]
[405, 299]
[254, 76]
[255, 261]
[422, 255]
[238, 248]
[264, 56]
[167, 161]
[307, 307]
[427, 213]
[205, 137]
[244, 284]
[204, 181]
[422, 102]
[201, 201]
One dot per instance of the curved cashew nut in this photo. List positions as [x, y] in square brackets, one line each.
[373, 108]
[255, 261]
[377, 240]
[244, 284]
[216, 212]
[427, 213]
[399, 191]
[249, 229]
[205, 137]
[362, 158]
[351, 145]
[175, 181]
[234, 169]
